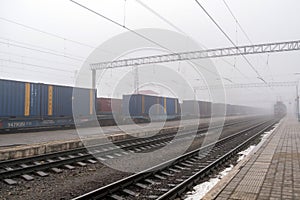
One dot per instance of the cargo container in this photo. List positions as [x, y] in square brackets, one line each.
[84, 100]
[194, 108]
[109, 106]
[218, 109]
[205, 109]
[239, 110]
[190, 109]
[230, 109]
[27, 105]
[139, 106]
[17, 99]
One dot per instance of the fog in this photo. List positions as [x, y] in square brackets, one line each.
[50, 41]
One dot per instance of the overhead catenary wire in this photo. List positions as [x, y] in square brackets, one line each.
[37, 59]
[246, 35]
[237, 69]
[40, 47]
[177, 28]
[54, 35]
[47, 33]
[120, 25]
[38, 66]
[131, 30]
[31, 70]
[241, 27]
[124, 10]
[183, 32]
[237, 21]
[160, 17]
[41, 51]
[230, 40]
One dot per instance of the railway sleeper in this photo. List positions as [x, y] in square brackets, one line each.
[116, 197]
[130, 192]
[141, 185]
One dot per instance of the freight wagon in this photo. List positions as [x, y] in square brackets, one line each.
[219, 109]
[192, 109]
[232, 110]
[143, 108]
[26, 105]
[108, 106]
[203, 109]
[109, 111]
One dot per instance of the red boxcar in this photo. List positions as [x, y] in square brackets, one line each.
[108, 106]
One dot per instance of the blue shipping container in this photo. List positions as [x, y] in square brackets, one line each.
[84, 101]
[19, 99]
[24, 104]
[142, 106]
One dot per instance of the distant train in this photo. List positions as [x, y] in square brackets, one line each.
[280, 109]
[25, 105]
[143, 108]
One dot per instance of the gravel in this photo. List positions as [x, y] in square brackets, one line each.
[72, 183]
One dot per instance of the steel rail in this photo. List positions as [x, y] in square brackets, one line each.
[128, 144]
[121, 184]
[190, 182]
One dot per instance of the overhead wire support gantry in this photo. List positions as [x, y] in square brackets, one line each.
[209, 53]
[250, 85]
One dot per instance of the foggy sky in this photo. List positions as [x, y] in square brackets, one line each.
[264, 21]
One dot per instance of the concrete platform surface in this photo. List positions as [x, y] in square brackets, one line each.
[28, 138]
[272, 172]
[19, 145]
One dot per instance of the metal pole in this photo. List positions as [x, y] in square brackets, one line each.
[297, 99]
[136, 79]
[94, 78]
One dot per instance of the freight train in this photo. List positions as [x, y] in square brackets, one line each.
[25, 105]
[204, 109]
[280, 109]
[144, 108]
[31, 105]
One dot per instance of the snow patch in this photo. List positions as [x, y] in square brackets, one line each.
[267, 133]
[201, 189]
[246, 152]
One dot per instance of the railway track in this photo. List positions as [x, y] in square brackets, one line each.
[173, 178]
[67, 159]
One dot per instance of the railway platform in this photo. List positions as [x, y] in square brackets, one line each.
[19, 145]
[271, 171]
